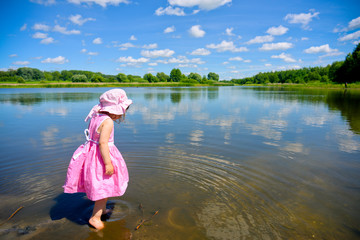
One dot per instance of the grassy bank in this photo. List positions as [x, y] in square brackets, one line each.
[86, 85]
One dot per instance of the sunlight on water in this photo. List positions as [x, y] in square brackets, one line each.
[217, 163]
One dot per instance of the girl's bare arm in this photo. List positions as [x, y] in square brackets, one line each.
[105, 131]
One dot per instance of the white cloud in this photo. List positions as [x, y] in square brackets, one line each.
[133, 38]
[77, 19]
[23, 28]
[202, 4]
[268, 65]
[302, 18]
[276, 46]
[228, 31]
[186, 65]
[226, 46]
[261, 39]
[196, 32]
[13, 55]
[41, 27]
[157, 53]
[57, 60]
[102, 3]
[169, 29]
[44, 2]
[152, 64]
[63, 30]
[354, 24]
[183, 61]
[277, 31]
[320, 49]
[130, 61]
[83, 50]
[304, 38]
[93, 53]
[39, 35]
[97, 41]
[21, 63]
[150, 46]
[236, 59]
[170, 11]
[285, 57]
[201, 52]
[351, 36]
[125, 46]
[47, 40]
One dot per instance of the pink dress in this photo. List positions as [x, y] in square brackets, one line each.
[86, 172]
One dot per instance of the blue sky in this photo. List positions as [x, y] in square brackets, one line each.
[235, 39]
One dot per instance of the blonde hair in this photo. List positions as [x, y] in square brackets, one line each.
[118, 121]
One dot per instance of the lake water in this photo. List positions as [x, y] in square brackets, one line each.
[217, 162]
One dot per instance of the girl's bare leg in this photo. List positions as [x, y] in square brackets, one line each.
[95, 219]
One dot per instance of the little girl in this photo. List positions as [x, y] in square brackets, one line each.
[97, 167]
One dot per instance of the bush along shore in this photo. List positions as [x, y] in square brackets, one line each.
[336, 75]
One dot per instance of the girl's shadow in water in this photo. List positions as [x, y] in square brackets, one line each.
[75, 207]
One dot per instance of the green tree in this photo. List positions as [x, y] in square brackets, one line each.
[333, 70]
[195, 76]
[213, 76]
[121, 77]
[273, 78]
[97, 78]
[79, 78]
[325, 79]
[314, 76]
[66, 75]
[56, 75]
[48, 76]
[150, 78]
[37, 74]
[26, 73]
[204, 79]
[162, 77]
[350, 70]
[175, 75]
[110, 79]
[20, 80]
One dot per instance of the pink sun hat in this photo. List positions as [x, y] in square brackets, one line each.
[113, 101]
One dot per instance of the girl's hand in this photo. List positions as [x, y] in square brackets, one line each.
[109, 169]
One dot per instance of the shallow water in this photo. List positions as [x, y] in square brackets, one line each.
[218, 163]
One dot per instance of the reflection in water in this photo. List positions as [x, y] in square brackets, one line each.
[218, 163]
[36, 98]
[344, 100]
[347, 102]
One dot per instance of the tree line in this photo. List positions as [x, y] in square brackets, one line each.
[26, 74]
[347, 71]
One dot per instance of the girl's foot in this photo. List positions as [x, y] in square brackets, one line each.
[96, 223]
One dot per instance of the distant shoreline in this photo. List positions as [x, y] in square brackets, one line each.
[169, 84]
[106, 84]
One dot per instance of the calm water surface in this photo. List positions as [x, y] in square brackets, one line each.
[218, 163]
